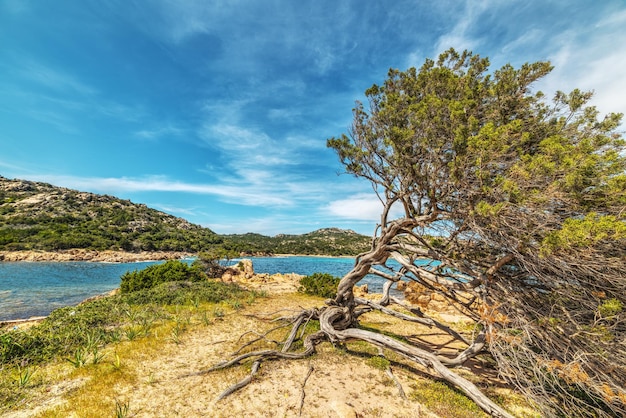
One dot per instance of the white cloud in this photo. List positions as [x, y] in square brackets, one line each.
[360, 207]
[235, 138]
[173, 209]
[242, 195]
[594, 59]
[458, 37]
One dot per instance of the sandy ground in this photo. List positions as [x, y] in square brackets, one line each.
[341, 384]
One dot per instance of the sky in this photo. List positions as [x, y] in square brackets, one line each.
[219, 111]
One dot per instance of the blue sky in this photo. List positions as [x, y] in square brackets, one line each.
[219, 111]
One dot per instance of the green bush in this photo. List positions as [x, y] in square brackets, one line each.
[170, 271]
[319, 284]
[184, 292]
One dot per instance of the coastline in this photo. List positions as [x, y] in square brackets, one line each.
[106, 256]
[111, 256]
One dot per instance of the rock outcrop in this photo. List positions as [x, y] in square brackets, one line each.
[90, 255]
[243, 274]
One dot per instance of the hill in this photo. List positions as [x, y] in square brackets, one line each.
[327, 241]
[40, 216]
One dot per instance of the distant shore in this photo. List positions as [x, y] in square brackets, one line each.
[109, 256]
[78, 254]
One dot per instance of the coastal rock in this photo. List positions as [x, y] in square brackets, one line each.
[78, 254]
[274, 283]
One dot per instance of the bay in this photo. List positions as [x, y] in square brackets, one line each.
[36, 288]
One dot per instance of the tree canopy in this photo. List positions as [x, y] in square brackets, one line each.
[518, 205]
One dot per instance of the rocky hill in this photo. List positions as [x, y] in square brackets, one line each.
[39, 216]
[43, 217]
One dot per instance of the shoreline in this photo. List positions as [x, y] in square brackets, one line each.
[77, 254]
[105, 256]
[112, 256]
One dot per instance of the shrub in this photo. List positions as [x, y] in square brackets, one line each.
[184, 292]
[319, 284]
[213, 261]
[170, 271]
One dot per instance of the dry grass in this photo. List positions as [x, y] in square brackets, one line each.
[144, 377]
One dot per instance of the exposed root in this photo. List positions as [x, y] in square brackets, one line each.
[424, 320]
[392, 376]
[338, 324]
[260, 337]
[302, 392]
[297, 323]
[234, 388]
[424, 358]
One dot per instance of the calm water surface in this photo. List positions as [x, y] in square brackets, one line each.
[35, 289]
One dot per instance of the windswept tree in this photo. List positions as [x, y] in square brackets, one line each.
[513, 209]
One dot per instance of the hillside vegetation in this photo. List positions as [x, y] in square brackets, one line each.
[40, 216]
[327, 241]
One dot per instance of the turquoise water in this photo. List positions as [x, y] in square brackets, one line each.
[35, 289]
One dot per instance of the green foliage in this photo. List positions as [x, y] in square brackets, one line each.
[38, 216]
[214, 260]
[610, 308]
[529, 196]
[319, 284]
[585, 232]
[378, 362]
[122, 409]
[185, 292]
[329, 241]
[77, 332]
[444, 400]
[170, 271]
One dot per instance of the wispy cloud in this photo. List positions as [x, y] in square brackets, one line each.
[54, 79]
[180, 211]
[460, 36]
[59, 120]
[592, 58]
[251, 195]
[159, 132]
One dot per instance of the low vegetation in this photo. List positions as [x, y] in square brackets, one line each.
[170, 271]
[135, 339]
[80, 334]
[319, 284]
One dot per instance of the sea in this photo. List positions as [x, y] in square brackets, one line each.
[29, 289]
